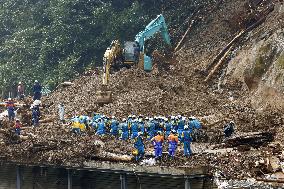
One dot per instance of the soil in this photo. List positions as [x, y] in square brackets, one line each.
[174, 89]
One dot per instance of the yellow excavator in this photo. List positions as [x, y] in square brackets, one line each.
[117, 56]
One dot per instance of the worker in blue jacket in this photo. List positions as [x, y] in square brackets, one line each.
[101, 128]
[180, 126]
[134, 129]
[37, 90]
[139, 147]
[186, 139]
[168, 128]
[124, 130]
[151, 129]
[114, 126]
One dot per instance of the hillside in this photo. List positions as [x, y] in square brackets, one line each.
[247, 88]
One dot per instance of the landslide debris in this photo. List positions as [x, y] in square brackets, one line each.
[177, 90]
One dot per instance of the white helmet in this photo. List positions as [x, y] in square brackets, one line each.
[186, 127]
[36, 81]
[9, 99]
[123, 119]
[150, 119]
[183, 118]
[20, 83]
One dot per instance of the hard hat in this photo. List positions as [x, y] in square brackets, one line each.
[179, 116]
[174, 131]
[36, 81]
[146, 118]
[37, 102]
[186, 127]
[133, 116]
[9, 99]
[123, 119]
[20, 83]
[172, 117]
[17, 120]
[183, 118]
[166, 119]
[112, 117]
[81, 117]
[140, 120]
[232, 122]
[150, 119]
[159, 132]
[140, 133]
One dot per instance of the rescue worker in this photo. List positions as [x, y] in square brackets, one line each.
[186, 139]
[35, 116]
[151, 130]
[173, 142]
[61, 112]
[229, 129]
[168, 127]
[20, 91]
[101, 128]
[114, 127]
[124, 130]
[141, 126]
[158, 144]
[76, 125]
[17, 127]
[194, 126]
[180, 125]
[83, 122]
[37, 90]
[10, 105]
[134, 129]
[36, 105]
[139, 147]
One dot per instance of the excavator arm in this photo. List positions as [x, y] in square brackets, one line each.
[156, 25]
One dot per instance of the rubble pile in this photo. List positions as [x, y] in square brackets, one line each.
[179, 89]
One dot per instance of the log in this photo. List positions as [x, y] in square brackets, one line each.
[254, 139]
[221, 61]
[184, 36]
[108, 156]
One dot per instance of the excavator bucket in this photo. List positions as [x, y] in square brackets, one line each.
[104, 96]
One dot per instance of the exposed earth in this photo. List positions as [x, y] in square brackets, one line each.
[247, 88]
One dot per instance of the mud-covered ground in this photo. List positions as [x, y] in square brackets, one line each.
[168, 90]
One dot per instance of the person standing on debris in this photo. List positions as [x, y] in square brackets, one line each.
[101, 128]
[173, 142]
[136, 50]
[168, 127]
[114, 126]
[61, 112]
[21, 91]
[10, 105]
[151, 130]
[180, 125]
[186, 139]
[17, 127]
[141, 126]
[124, 130]
[139, 147]
[37, 90]
[158, 144]
[194, 126]
[134, 129]
[76, 126]
[229, 129]
[35, 116]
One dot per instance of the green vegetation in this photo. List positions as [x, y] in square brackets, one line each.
[54, 40]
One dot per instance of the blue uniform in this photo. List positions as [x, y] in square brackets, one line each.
[125, 131]
[194, 124]
[168, 128]
[180, 126]
[101, 128]
[141, 127]
[151, 130]
[134, 130]
[139, 145]
[37, 91]
[35, 117]
[114, 127]
[186, 139]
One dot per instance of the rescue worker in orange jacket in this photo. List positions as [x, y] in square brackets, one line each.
[158, 144]
[173, 142]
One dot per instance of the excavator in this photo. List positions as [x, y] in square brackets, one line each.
[132, 52]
